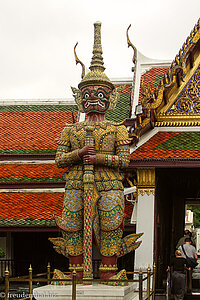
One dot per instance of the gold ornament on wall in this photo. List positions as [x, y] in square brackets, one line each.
[145, 181]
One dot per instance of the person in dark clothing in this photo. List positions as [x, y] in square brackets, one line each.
[178, 267]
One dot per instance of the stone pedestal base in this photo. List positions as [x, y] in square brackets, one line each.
[86, 292]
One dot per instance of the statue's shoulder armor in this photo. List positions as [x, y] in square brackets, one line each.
[122, 137]
[64, 138]
[69, 124]
[70, 127]
[79, 125]
[116, 123]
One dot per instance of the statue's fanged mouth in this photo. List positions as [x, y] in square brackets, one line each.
[96, 102]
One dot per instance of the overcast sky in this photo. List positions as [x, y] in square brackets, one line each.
[38, 37]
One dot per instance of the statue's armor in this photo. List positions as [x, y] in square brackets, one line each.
[112, 154]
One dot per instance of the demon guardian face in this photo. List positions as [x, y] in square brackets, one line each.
[95, 99]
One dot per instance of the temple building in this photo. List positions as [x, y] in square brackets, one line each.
[160, 106]
[166, 151]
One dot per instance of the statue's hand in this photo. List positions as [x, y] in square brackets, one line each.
[89, 159]
[87, 150]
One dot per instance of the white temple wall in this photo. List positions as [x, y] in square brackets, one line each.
[145, 224]
[144, 255]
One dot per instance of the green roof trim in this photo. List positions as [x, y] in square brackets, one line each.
[27, 151]
[158, 78]
[182, 141]
[36, 222]
[30, 179]
[27, 222]
[24, 108]
[121, 111]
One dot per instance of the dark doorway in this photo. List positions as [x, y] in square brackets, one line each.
[173, 188]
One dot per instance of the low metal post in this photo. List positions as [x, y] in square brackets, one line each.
[48, 273]
[154, 281]
[6, 283]
[74, 285]
[30, 283]
[148, 281]
[140, 284]
[168, 285]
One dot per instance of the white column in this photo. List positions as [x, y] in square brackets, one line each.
[145, 217]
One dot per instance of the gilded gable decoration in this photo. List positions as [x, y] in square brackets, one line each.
[175, 74]
[175, 101]
[188, 102]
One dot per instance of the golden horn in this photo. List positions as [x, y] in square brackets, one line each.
[79, 62]
[131, 45]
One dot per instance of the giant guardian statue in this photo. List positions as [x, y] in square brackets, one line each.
[95, 152]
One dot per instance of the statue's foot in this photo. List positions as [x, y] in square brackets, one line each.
[119, 276]
[57, 274]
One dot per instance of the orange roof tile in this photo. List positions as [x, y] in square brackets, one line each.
[30, 205]
[152, 78]
[30, 170]
[31, 173]
[35, 208]
[126, 88]
[32, 129]
[170, 145]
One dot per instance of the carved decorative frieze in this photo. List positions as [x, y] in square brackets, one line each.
[147, 191]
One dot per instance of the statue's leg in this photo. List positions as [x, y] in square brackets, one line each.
[76, 263]
[108, 266]
[71, 224]
[74, 249]
[111, 212]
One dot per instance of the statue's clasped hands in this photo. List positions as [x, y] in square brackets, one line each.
[88, 155]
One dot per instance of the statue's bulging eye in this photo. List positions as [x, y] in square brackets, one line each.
[86, 96]
[101, 95]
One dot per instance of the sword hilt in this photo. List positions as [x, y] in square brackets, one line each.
[89, 139]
